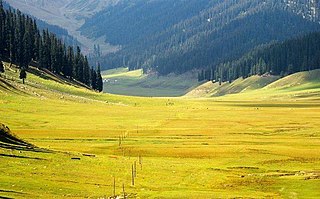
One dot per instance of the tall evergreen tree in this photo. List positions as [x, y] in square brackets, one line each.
[99, 79]
[93, 77]
[77, 70]
[2, 29]
[86, 71]
[69, 71]
[23, 74]
[37, 38]
[1, 66]
[26, 51]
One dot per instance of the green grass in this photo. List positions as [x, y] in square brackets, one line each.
[210, 89]
[115, 71]
[297, 79]
[228, 147]
[122, 72]
[134, 83]
[293, 87]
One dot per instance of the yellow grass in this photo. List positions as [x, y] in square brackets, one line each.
[124, 72]
[190, 148]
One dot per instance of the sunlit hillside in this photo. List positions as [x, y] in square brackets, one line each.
[135, 83]
[302, 85]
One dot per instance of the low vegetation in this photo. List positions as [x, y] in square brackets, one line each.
[96, 144]
[124, 82]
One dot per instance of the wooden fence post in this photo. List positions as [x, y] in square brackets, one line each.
[140, 161]
[114, 187]
[135, 168]
[124, 193]
[132, 175]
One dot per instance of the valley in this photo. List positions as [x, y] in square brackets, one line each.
[232, 146]
[135, 83]
[163, 99]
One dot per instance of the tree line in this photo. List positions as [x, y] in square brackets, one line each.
[282, 58]
[21, 42]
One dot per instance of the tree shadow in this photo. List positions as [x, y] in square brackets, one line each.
[11, 141]
[18, 156]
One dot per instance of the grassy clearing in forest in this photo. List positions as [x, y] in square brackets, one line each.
[189, 148]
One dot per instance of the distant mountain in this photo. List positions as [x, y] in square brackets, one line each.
[83, 9]
[73, 9]
[196, 34]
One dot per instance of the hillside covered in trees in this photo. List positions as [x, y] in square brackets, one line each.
[22, 43]
[284, 58]
[196, 34]
[57, 30]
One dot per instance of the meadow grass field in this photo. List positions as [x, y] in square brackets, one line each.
[135, 83]
[228, 147]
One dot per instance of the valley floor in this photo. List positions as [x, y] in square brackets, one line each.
[182, 148]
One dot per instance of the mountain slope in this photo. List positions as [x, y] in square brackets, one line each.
[218, 31]
[140, 18]
[298, 81]
[40, 83]
[282, 58]
[210, 89]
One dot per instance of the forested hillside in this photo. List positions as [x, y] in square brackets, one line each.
[213, 33]
[22, 43]
[291, 56]
[60, 32]
[129, 21]
[68, 14]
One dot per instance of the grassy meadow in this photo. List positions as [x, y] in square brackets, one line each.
[135, 83]
[227, 147]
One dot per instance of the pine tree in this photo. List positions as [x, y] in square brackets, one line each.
[65, 65]
[93, 79]
[86, 71]
[99, 79]
[11, 36]
[23, 74]
[54, 52]
[70, 63]
[1, 67]
[77, 70]
[26, 55]
[37, 39]
[2, 29]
